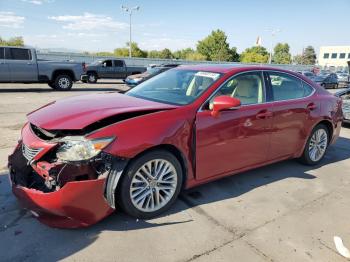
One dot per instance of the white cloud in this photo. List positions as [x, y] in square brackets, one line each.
[11, 20]
[159, 43]
[89, 21]
[38, 2]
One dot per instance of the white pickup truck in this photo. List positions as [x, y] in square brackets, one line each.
[20, 65]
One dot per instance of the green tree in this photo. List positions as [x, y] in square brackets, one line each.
[104, 54]
[135, 51]
[183, 53]
[281, 54]
[309, 56]
[195, 56]
[215, 47]
[255, 54]
[14, 41]
[153, 54]
[166, 54]
[298, 59]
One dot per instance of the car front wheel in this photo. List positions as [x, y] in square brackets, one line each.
[92, 78]
[150, 184]
[316, 145]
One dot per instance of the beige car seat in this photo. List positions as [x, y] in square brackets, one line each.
[249, 91]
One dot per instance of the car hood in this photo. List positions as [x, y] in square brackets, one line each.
[80, 111]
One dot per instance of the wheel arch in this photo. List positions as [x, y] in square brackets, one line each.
[329, 126]
[176, 152]
[113, 179]
[58, 72]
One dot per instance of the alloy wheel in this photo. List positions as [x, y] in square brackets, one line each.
[318, 144]
[153, 185]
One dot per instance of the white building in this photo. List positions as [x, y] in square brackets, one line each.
[334, 56]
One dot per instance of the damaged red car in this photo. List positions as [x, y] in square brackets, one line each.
[81, 158]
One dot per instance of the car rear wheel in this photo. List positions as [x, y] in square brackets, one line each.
[92, 78]
[150, 184]
[316, 145]
[63, 83]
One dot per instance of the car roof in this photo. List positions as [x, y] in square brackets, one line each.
[231, 68]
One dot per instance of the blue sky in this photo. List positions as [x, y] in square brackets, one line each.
[102, 25]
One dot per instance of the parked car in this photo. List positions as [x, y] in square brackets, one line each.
[81, 158]
[345, 96]
[20, 65]
[110, 68]
[134, 80]
[343, 79]
[327, 80]
[308, 74]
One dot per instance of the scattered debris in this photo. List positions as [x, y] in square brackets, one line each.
[341, 248]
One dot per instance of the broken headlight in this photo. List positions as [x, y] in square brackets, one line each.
[78, 148]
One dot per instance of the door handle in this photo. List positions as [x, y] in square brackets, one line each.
[264, 114]
[29, 63]
[311, 106]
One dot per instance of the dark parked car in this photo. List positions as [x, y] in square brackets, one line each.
[110, 68]
[345, 96]
[134, 80]
[81, 158]
[327, 80]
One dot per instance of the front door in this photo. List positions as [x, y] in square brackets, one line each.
[4, 67]
[106, 70]
[22, 65]
[236, 139]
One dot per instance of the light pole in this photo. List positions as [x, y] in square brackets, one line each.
[129, 11]
[273, 33]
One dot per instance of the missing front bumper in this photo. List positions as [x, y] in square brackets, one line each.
[75, 204]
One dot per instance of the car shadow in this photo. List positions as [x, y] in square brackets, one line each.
[63, 243]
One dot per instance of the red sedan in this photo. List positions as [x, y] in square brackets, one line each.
[80, 158]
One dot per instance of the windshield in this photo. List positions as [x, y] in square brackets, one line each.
[179, 87]
[152, 70]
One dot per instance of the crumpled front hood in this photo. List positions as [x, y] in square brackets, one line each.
[80, 111]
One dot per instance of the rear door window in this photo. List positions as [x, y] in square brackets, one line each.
[118, 63]
[20, 54]
[2, 53]
[287, 87]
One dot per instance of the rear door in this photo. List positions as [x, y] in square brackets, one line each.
[294, 112]
[23, 67]
[4, 67]
[119, 69]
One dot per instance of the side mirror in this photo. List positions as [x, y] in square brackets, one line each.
[221, 103]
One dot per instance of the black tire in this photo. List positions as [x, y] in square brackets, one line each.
[92, 77]
[336, 86]
[306, 158]
[123, 191]
[63, 83]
